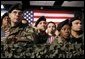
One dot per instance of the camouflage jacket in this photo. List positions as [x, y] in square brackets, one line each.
[41, 38]
[80, 39]
[19, 36]
[67, 49]
[24, 49]
[22, 31]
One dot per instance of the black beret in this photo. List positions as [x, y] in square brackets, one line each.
[42, 18]
[6, 14]
[61, 24]
[73, 19]
[17, 6]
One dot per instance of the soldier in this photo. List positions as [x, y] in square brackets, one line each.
[5, 24]
[51, 27]
[15, 14]
[76, 30]
[60, 45]
[4, 29]
[21, 35]
[64, 31]
[77, 36]
[40, 25]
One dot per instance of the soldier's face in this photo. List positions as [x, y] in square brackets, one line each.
[15, 15]
[51, 28]
[42, 25]
[65, 31]
[76, 25]
[5, 20]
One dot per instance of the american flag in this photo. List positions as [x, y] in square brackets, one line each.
[51, 15]
[29, 15]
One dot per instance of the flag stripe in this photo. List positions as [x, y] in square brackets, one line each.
[53, 15]
[53, 20]
[54, 11]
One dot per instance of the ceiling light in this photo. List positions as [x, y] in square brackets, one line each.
[2, 7]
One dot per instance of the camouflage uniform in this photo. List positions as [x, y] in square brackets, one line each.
[66, 50]
[16, 43]
[79, 45]
[24, 49]
[57, 50]
[41, 38]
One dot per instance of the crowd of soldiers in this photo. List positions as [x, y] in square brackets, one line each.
[44, 40]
